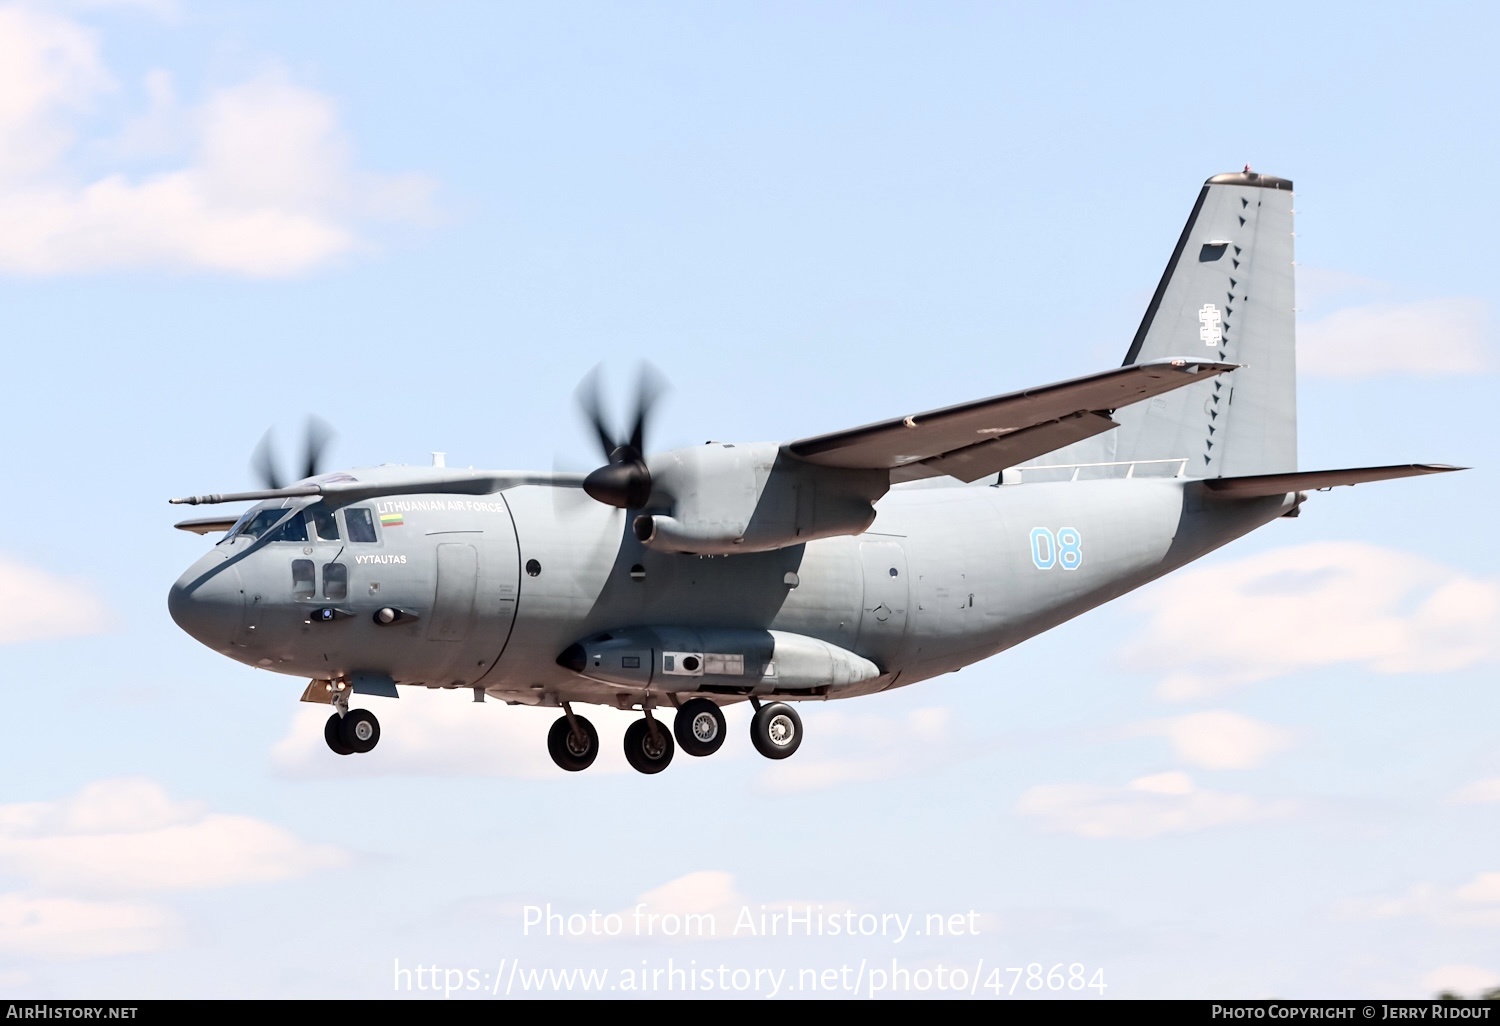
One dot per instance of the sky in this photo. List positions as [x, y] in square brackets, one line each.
[426, 225]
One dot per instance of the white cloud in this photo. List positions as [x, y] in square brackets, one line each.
[858, 748]
[40, 606]
[707, 904]
[447, 734]
[1468, 980]
[1433, 336]
[1474, 904]
[128, 835]
[1484, 889]
[1479, 791]
[1164, 803]
[48, 66]
[1351, 326]
[708, 896]
[268, 188]
[1218, 739]
[57, 928]
[1314, 605]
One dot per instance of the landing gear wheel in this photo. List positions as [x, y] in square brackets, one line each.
[645, 753]
[776, 730]
[570, 751]
[699, 727]
[359, 731]
[331, 735]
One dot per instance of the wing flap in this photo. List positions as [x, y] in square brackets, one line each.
[921, 437]
[1311, 480]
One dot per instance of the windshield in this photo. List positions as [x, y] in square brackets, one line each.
[257, 522]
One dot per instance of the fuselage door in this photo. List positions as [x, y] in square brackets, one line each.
[453, 600]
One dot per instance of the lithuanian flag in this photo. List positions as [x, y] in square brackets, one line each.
[391, 520]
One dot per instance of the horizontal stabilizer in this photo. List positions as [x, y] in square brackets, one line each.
[1313, 480]
[982, 437]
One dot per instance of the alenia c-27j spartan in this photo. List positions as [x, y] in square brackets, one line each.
[782, 572]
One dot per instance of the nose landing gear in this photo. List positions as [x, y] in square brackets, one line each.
[352, 732]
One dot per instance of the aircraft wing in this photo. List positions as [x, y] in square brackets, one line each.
[976, 439]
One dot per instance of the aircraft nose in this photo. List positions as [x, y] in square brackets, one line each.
[208, 602]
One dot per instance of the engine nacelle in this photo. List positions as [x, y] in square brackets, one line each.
[713, 659]
[719, 499]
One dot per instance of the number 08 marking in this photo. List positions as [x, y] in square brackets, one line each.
[1064, 549]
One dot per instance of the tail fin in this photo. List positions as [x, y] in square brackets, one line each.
[1226, 295]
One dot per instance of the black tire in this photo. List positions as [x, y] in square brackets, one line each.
[331, 735]
[641, 753]
[360, 731]
[566, 750]
[699, 727]
[776, 730]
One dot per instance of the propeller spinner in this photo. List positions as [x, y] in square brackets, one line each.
[624, 481]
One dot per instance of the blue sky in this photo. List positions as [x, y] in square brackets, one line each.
[426, 226]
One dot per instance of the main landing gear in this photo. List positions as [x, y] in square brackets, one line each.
[572, 742]
[352, 731]
[775, 730]
[648, 745]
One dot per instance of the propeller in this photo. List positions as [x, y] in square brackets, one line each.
[265, 463]
[624, 481]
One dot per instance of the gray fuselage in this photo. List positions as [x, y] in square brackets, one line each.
[489, 590]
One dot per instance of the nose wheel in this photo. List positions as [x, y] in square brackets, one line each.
[352, 733]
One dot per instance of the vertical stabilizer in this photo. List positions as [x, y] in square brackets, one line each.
[1226, 295]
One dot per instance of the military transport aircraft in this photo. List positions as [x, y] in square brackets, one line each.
[782, 572]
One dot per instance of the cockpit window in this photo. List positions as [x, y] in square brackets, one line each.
[239, 525]
[360, 524]
[325, 524]
[294, 530]
[259, 523]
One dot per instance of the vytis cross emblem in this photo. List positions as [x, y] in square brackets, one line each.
[1212, 330]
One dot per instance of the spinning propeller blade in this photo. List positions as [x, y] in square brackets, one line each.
[265, 464]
